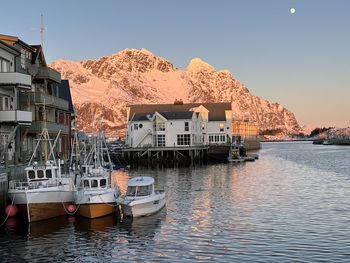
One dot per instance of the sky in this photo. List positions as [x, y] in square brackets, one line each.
[299, 60]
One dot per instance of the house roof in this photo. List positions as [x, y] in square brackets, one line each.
[8, 48]
[181, 115]
[38, 53]
[64, 93]
[13, 39]
[216, 110]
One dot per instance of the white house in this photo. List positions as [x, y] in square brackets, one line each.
[179, 124]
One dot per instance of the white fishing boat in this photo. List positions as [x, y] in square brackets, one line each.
[46, 192]
[96, 196]
[141, 199]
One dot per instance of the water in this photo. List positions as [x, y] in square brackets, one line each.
[292, 205]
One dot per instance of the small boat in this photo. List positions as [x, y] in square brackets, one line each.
[326, 142]
[141, 199]
[96, 196]
[46, 192]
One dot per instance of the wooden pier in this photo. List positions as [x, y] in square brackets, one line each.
[164, 156]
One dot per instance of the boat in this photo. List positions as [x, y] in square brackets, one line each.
[46, 192]
[96, 196]
[327, 142]
[141, 199]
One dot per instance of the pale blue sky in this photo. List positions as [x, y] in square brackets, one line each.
[301, 61]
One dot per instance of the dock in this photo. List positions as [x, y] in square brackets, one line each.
[162, 156]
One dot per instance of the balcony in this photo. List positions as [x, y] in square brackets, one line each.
[15, 79]
[40, 98]
[16, 116]
[48, 73]
[52, 127]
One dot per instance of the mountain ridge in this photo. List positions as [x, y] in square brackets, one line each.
[102, 88]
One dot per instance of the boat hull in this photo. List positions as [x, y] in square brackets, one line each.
[40, 204]
[96, 210]
[143, 207]
[96, 203]
[41, 211]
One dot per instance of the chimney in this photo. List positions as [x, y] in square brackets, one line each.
[178, 102]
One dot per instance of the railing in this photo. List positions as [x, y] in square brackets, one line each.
[15, 78]
[17, 185]
[49, 73]
[16, 116]
[40, 98]
[38, 126]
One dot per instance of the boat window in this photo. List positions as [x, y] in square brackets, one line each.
[31, 174]
[131, 191]
[40, 174]
[103, 183]
[48, 174]
[86, 184]
[94, 183]
[144, 190]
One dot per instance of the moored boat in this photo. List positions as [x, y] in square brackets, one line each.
[141, 199]
[96, 196]
[46, 192]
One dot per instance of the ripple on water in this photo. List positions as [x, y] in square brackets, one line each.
[290, 205]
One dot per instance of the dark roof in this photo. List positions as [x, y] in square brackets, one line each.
[216, 110]
[64, 93]
[181, 115]
[38, 52]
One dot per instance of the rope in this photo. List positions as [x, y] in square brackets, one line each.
[64, 207]
[7, 216]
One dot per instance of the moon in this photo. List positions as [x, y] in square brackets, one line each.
[292, 10]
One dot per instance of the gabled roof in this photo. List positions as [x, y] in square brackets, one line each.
[38, 53]
[13, 39]
[64, 93]
[8, 48]
[217, 111]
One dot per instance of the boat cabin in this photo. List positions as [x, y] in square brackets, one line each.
[95, 183]
[41, 172]
[140, 186]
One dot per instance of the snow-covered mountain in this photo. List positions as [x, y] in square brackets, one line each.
[102, 88]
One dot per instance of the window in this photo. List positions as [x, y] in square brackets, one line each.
[94, 183]
[158, 124]
[131, 191]
[203, 126]
[4, 65]
[222, 137]
[222, 126]
[23, 59]
[31, 174]
[48, 174]
[144, 190]
[183, 139]
[187, 128]
[86, 184]
[103, 183]
[159, 140]
[40, 174]
[136, 126]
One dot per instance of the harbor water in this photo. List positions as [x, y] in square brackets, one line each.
[292, 205]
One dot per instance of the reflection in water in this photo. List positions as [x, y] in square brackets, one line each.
[290, 205]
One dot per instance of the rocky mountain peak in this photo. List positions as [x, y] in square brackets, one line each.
[196, 65]
[102, 88]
